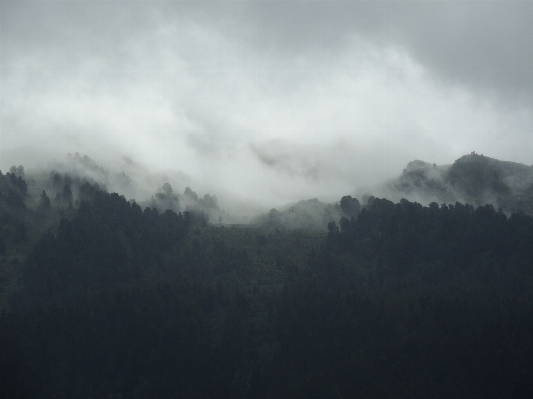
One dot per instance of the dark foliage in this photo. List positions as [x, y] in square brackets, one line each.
[13, 192]
[400, 301]
[109, 242]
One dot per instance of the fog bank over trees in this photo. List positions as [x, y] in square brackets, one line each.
[266, 102]
[475, 179]
[472, 179]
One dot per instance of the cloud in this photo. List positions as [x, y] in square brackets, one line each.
[267, 102]
[483, 45]
[288, 159]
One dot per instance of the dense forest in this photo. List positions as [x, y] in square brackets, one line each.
[104, 298]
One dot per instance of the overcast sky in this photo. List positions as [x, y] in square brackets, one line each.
[267, 101]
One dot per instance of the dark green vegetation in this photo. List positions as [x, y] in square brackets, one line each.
[104, 299]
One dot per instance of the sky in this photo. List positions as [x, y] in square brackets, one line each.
[266, 102]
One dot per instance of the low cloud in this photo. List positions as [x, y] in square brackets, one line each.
[264, 103]
[289, 160]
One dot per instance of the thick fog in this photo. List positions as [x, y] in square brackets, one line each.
[264, 102]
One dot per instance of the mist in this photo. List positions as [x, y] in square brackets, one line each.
[263, 103]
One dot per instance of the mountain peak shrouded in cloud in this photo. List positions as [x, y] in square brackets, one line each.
[473, 179]
[265, 102]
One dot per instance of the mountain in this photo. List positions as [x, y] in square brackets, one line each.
[474, 179]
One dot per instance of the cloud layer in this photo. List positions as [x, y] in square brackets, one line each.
[267, 102]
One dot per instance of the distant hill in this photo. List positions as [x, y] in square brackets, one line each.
[309, 214]
[474, 179]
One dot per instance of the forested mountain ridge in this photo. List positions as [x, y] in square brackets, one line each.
[392, 300]
[474, 179]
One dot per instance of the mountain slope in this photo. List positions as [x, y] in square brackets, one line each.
[474, 179]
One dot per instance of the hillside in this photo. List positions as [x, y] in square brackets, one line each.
[105, 297]
[304, 215]
[472, 179]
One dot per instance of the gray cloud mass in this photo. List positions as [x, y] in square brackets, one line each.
[266, 102]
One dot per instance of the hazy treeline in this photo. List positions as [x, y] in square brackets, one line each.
[474, 179]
